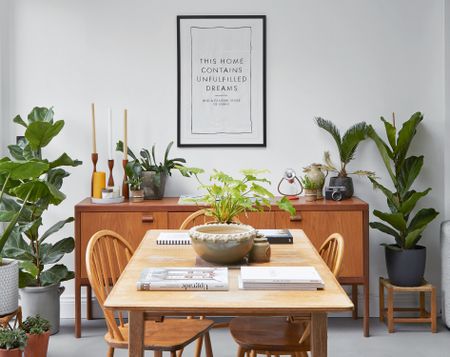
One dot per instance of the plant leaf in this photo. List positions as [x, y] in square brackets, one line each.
[41, 114]
[55, 228]
[413, 237]
[385, 152]
[405, 136]
[422, 218]
[388, 193]
[64, 160]
[56, 274]
[328, 126]
[40, 133]
[56, 251]
[350, 141]
[23, 170]
[18, 120]
[408, 172]
[119, 147]
[388, 230]
[391, 133]
[396, 220]
[409, 204]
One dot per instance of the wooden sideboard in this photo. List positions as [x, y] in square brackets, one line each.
[317, 219]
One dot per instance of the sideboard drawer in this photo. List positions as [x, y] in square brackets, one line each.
[130, 225]
[318, 225]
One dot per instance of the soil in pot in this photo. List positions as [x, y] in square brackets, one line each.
[346, 182]
[405, 267]
[9, 286]
[37, 345]
[11, 353]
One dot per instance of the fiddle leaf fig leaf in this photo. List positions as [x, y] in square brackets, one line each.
[40, 133]
[55, 275]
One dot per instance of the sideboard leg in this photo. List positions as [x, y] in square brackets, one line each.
[77, 308]
[355, 301]
[366, 309]
[88, 302]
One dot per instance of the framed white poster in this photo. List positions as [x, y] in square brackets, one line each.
[221, 80]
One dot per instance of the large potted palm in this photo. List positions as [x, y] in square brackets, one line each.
[40, 275]
[347, 145]
[405, 259]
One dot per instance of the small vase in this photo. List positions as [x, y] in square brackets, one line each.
[310, 195]
[260, 252]
[136, 196]
[316, 175]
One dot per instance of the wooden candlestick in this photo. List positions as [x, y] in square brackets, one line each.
[125, 192]
[111, 179]
[94, 157]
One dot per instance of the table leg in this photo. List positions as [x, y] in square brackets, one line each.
[319, 334]
[77, 308]
[136, 334]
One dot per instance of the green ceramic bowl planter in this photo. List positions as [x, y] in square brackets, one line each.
[405, 259]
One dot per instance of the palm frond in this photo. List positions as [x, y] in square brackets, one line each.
[329, 165]
[331, 128]
[350, 141]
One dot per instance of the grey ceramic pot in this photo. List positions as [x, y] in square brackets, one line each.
[154, 184]
[406, 267]
[43, 301]
[347, 182]
[9, 286]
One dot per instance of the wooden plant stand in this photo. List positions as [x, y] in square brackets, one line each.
[5, 320]
[387, 314]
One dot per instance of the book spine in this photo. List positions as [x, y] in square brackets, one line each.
[182, 286]
[279, 240]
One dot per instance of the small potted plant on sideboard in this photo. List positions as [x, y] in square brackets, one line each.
[12, 342]
[134, 176]
[405, 259]
[38, 333]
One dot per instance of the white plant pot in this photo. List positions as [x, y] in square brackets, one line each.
[9, 286]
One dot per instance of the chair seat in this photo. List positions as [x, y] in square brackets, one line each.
[169, 335]
[268, 334]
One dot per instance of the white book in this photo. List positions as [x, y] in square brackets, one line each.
[306, 275]
[173, 238]
[183, 278]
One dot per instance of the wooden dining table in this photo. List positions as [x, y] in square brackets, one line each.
[147, 305]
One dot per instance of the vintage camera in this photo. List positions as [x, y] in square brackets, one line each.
[335, 193]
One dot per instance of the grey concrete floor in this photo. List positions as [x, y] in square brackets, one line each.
[345, 340]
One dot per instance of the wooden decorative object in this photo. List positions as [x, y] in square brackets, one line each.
[125, 191]
[111, 179]
[12, 320]
[424, 315]
[94, 157]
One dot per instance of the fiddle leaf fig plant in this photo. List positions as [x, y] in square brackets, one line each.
[405, 226]
[31, 185]
[228, 197]
[346, 144]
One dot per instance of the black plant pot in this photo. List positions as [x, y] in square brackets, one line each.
[154, 184]
[347, 182]
[405, 267]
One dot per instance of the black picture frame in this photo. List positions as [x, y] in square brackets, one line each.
[263, 123]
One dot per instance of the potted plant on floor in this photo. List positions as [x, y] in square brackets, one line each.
[347, 146]
[405, 259]
[12, 342]
[154, 174]
[40, 287]
[225, 242]
[134, 177]
[38, 333]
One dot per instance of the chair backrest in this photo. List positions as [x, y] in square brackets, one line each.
[107, 255]
[332, 252]
[191, 218]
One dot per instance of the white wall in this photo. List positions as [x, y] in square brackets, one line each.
[348, 61]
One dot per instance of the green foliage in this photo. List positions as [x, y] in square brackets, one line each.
[228, 197]
[30, 186]
[310, 185]
[12, 339]
[406, 228]
[148, 161]
[346, 145]
[36, 325]
[133, 171]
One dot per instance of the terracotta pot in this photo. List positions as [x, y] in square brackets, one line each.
[11, 353]
[37, 345]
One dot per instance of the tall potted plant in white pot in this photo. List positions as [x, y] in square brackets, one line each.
[40, 276]
[405, 259]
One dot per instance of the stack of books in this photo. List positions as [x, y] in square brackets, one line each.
[189, 278]
[280, 278]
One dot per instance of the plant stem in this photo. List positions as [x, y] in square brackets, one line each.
[4, 186]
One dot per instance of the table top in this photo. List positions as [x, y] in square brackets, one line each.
[235, 301]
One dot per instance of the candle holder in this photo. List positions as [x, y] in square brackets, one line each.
[94, 158]
[125, 192]
[111, 179]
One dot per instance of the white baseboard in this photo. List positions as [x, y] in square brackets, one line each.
[401, 300]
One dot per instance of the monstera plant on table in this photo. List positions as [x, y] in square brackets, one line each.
[224, 241]
[24, 200]
[405, 259]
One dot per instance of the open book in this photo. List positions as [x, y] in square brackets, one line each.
[189, 278]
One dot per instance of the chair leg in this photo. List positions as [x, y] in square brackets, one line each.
[110, 352]
[198, 347]
[157, 354]
[173, 354]
[208, 347]
[180, 352]
[240, 352]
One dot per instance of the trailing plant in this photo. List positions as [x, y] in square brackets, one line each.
[346, 144]
[308, 184]
[133, 171]
[228, 197]
[148, 161]
[31, 185]
[36, 325]
[12, 339]
[400, 222]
